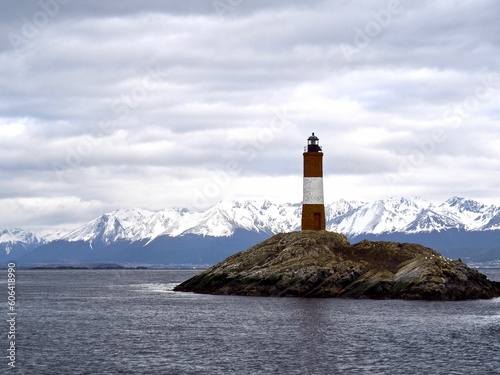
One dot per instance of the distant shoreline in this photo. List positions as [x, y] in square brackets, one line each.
[106, 267]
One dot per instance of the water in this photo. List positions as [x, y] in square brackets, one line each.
[131, 322]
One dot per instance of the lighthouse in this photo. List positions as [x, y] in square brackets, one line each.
[313, 206]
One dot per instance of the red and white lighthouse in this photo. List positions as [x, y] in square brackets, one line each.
[313, 206]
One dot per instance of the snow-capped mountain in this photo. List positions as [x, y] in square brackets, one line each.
[220, 220]
[341, 207]
[429, 220]
[405, 215]
[416, 215]
[381, 216]
[18, 240]
[474, 215]
[234, 220]
[127, 224]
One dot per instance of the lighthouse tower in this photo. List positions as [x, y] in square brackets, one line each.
[313, 206]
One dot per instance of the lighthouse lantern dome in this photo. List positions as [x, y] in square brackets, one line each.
[313, 144]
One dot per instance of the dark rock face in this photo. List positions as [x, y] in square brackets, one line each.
[325, 264]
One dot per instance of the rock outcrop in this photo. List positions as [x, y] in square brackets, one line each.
[325, 264]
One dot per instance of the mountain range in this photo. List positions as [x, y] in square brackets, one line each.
[458, 227]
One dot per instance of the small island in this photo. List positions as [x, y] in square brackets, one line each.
[318, 263]
[314, 263]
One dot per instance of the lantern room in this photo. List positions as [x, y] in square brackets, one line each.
[313, 144]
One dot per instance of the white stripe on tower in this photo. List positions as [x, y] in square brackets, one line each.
[313, 190]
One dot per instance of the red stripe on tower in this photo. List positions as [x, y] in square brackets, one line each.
[313, 205]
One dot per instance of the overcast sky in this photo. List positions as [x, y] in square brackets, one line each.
[156, 104]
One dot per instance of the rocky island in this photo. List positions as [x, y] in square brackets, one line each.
[324, 264]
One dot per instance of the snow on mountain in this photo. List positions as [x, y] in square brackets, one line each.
[52, 235]
[382, 216]
[341, 207]
[429, 220]
[220, 220]
[413, 215]
[493, 220]
[9, 238]
[17, 235]
[472, 214]
[214, 222]
[401, 215]
[223, 218]
[164, 223]
[262, 216]
[127, 224]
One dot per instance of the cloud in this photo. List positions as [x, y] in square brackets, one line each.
[144, 104]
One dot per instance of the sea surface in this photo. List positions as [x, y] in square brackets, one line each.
[131, 322]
